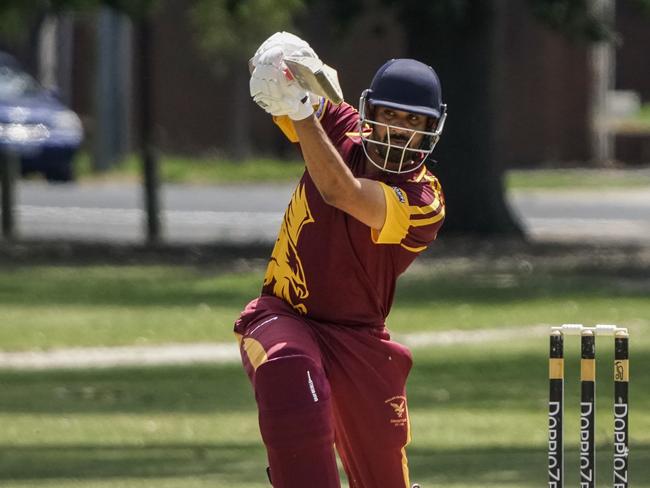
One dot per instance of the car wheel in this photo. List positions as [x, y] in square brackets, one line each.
[59, 173]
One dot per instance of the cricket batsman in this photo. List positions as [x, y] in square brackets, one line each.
[314, 344]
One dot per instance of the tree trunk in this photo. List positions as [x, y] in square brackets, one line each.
[9, 171]
[465, 51]
[240, 135]
[150, 166]
[602, 59]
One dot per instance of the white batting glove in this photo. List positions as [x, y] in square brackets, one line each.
[288, 44]
[291, 108]
[271, 84]
[273, 90]
[302, 110]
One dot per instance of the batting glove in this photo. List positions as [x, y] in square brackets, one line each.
[288, 44]
[273, 90]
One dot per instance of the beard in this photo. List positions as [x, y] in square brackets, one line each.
[395, 154]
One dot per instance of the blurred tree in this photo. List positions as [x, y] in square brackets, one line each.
[465, 46]
[577, 19]
[16, 14]
[21, 21]
[461, 38]
[228, 33]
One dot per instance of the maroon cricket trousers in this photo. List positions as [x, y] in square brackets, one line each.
[321, 387]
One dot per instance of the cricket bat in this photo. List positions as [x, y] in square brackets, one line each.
[313, 75]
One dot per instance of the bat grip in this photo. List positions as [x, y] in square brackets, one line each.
[288, 75]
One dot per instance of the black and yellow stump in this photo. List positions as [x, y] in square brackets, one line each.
[587, 409]
[556, 411]
[621, 382]
[587, 444]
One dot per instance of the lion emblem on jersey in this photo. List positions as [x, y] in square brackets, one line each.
[285, 274]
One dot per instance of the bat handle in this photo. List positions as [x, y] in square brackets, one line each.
[288, 74]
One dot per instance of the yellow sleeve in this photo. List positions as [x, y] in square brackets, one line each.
[411, 226]
[398, 213]
[286, 124]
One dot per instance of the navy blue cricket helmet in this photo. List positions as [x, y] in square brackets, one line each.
[410, 86]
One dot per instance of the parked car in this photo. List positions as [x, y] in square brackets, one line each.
[35, 124]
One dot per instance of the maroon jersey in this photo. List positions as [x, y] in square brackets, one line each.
[331, 267]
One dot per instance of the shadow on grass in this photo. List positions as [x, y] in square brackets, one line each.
[500, 381]
[244, 461]
[239, 463]
[445, 378]
[509, 466]
[134, 390]
[171, 286]
[139, 286]
[513, 285]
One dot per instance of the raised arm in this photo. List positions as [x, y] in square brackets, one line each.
[360, 197]
[278, 94]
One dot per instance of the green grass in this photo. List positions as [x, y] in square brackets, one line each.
[195, 170]
[644, 113]
[179, 169]
[42, 307]
[55, 306]
[478, 411]
[433, 297]
[478, 415]
[575, 179]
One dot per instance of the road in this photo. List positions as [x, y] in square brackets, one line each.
[111, 212]
[608, 216]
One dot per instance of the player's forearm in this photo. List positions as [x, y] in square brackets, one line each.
[332, 177]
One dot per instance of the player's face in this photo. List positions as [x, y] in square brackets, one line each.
[401, 133]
